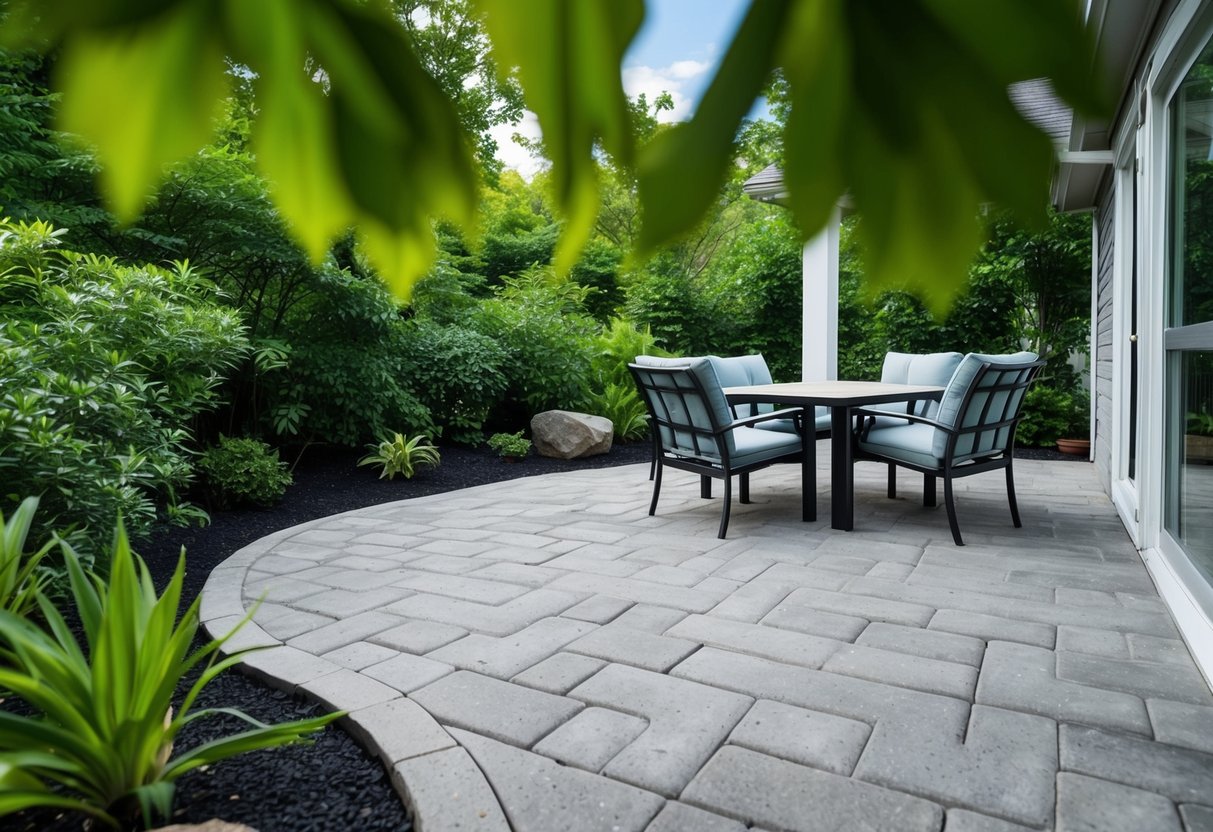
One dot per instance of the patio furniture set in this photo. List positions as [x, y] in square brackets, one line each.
[942, 415]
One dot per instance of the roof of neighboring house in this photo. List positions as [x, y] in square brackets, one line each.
[1039, 104]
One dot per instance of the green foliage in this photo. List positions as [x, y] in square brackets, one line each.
[401, 455]
[21, 575]
[102, 370]
[1050, 414]
[623, 406]
[458, 374]
[510, 444]
[670, 303]
[1199, 424]
[617, 346]
[243, 471]
[102, 740]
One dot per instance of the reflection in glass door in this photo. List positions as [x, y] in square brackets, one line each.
[1188, 339]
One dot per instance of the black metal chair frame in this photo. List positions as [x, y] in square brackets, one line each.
[706, 440]
[975, 465]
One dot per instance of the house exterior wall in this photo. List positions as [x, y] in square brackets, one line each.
[1101, 359]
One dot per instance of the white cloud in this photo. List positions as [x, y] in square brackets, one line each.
[511, 153]
[672, 79]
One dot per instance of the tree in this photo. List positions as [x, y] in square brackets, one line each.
[903, 104]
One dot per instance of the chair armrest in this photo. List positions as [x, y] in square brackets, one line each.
[763, 417]
[868, 418]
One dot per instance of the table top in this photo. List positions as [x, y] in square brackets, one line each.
[836, 393]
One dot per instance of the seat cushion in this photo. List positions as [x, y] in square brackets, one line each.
[821, 421]
[904, 442]
[754, 446]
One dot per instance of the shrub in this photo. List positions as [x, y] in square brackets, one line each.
[243, 471]
[1048, 413]
[510, 444]
[624, 407]
[102, 739]
[21, 579]
[103, 368]
[617, 346]
[457, 374]
[401, 455]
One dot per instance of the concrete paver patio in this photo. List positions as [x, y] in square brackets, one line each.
[539, 654]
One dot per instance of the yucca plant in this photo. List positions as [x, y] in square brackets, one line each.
[21, 575]
[401, 455]
[102, 740]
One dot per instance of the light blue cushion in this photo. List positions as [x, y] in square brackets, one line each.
[821, 422]
[953, 396]
[685, 405]
[930, 369]
[906, 442]
[751, 446]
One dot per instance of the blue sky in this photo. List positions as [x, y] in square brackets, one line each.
[676, 50]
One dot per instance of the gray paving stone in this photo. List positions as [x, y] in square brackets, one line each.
[992, 582]
[873, 550]
[1182, 775]
[407, 673]
[672, 575]
[592, 738]
[815, 623]
[1172, 681]
[687, 721]
[1085, 804]
[510, 655]
[617, 643]
[1154, 649]
[811, 738]
[579, 562]
[753, 600]
[1106, 643]
[518, 573]
[1023, 678]
[1179, 723]
[540, 796]
[344, 631]
[462, 586]
[397, 730]
[501, 620]
[770, 642]
[993, 628]
[511, 713]
[895, 668]
[448, 793]
[650, 618]
[690, 600]
[890, 570]
[1197, 818]
[280, 589]
[598, 610]
[446, 564]
[286, 668]
[962, 820]
[284, 623]
[346, 690]
[873, 609]
[928, 644]
[418, 636]
[679, 817]
[360, 654]
[560, 673]
[757, 789]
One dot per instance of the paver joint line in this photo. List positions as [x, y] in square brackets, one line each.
[641, 663]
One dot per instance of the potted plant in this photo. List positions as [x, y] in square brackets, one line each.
[1078, 426]
[1198, 441]
[511, 447]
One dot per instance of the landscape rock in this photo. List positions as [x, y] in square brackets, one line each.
[212, 825]
[562, 434]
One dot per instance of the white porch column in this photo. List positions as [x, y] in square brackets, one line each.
[819, 341]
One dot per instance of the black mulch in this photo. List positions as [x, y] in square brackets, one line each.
[332, 784]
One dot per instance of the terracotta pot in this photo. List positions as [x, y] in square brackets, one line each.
[1078, 447]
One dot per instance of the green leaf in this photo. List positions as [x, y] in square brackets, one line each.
[567, 55]
[681, 170]
[145, 97]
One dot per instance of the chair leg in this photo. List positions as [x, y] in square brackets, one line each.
[950, 502]
[892, 481]
[728, 504]
[1011, 498]
[743, 481]
[929, 499]
[705, 487]
[656, 486]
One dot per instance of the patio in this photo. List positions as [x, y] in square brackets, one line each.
[540, 654]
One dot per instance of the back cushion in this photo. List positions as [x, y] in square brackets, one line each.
[953, 396]
[933, 369]
[677, 398]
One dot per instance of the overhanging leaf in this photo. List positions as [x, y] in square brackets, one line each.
[145, 96]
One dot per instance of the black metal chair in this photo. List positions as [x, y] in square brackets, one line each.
[696, 432]
[973, 430]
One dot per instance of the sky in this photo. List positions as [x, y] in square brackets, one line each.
[676, 50]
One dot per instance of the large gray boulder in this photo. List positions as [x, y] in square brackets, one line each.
[562, 434]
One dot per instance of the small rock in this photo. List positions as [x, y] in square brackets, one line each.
[212, 825]
[562, 434]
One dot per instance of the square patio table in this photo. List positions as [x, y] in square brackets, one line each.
[841, 397]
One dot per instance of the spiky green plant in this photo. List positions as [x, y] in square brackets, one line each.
[401, 455]
[102, 740]
[21, 575]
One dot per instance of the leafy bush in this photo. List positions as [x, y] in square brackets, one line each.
[617, 346]
[103, 368]
[624, 407]
[400, 455]
[243, 471]
[1199, 424]
[1050, 414]
[510, 444]
[20, 575]
[669, 302]
[457, 373]
[102, 739]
